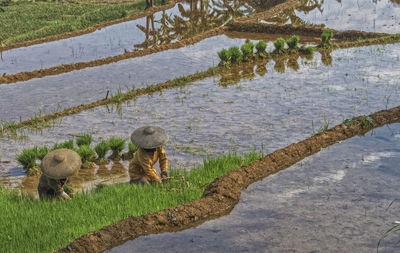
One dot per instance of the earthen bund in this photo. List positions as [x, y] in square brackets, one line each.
[223, 193]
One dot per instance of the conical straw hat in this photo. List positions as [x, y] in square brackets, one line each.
[149, 137]
[61, 163]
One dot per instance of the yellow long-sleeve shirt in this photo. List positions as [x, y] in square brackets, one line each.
[143, 162]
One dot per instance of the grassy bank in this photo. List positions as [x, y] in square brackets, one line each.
[23, 21]
[43, 226]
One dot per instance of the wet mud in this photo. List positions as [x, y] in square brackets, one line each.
[223, 193]
[334, 201]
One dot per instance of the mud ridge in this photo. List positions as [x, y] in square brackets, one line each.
[91, 29]
[223, 193]
[309, 30]
[65, 68]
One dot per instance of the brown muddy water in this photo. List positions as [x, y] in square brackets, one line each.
[184, 20]
[363, 15]
[23, 100]
[338, 200]
[264, 108]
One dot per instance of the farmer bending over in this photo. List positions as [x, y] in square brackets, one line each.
[56, 167]
[149, 139]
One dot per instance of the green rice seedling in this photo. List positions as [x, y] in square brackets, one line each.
[235, 53]
[132, 147]
[279, 44]
[85, 139]
[224, 55]
[307, 50]
[41, 152]
[247, 50]
[28, 221]
[101, 149]
[116, 145]
[86, 153]
[27, 158]
[261, 46]
[68, 189]
[66, 144]
[326, 37]
[293, 42]
[363, 122]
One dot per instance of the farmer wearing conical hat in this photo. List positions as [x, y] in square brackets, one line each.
[149, 139]
[56, 167]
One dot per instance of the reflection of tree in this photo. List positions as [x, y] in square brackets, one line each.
[195, 16]
[326, 57]
[250, 69]
[396, 1]
[304, 6]
[280, 65]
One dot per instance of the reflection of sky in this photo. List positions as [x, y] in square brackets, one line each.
[267, 112]
[333, 201]
[364, 15]
[108, 41]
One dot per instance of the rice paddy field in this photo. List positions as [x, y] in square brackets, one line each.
[342, 198]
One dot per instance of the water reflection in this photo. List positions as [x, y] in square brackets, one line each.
[194, 17]
[290, 16]
[249, 70]
[364, 15]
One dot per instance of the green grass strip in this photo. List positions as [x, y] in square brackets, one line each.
[24, 21]
[43, 226]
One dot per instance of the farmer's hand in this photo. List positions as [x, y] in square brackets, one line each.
[164, 176]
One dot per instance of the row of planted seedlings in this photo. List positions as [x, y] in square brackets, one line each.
[29, 157]
[283, 47]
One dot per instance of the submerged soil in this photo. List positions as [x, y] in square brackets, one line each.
[223, 193]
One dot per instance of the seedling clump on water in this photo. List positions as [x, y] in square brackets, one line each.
[116, 145]
[279, 45]
[101, 150]
[235, 53]
[42, 151]
[326, 37]
[247, 50]
[293, 42]
[27, 158]
[86, 154]
[85, 139]
[224, 56]
[261, 46]
[66, 144]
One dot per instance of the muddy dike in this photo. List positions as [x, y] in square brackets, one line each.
[223, 193]
[145, 13]
[307, 30]
[25, 76]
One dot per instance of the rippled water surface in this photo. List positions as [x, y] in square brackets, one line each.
[364, 15]
[269, 108]
[335, 201]
[24, 99]
[182, 21]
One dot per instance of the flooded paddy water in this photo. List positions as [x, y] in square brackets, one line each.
[264, 111]
[338, 200]
[52, 93]
[362, 15]
[182, 21]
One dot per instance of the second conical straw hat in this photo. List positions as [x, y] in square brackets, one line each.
[149, 137]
